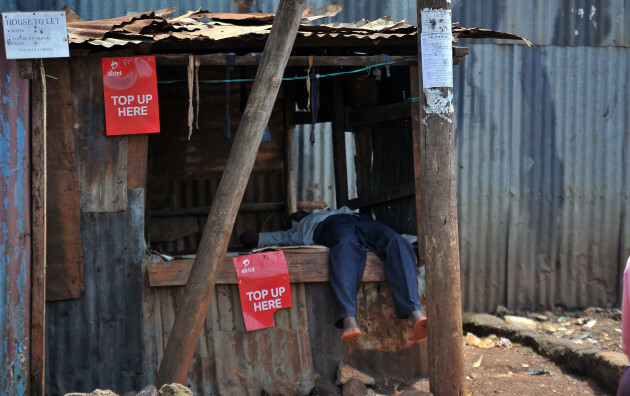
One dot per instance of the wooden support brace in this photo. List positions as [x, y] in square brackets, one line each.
[192, 308]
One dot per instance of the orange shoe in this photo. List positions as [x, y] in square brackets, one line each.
[419, 330]
[350, 334]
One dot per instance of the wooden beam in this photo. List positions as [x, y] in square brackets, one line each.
[219, 60]
[64, 242]
[358, 60]
[244, 208]
[193, 305]
[303, 268]
[390, 194]
[372, 115]
[339, 143]
[447, 375]
[38, 272]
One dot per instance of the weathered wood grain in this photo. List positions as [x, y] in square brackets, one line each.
[438, 211]
[38, 274]
[102, 159]
[303, 268]
[64, 278]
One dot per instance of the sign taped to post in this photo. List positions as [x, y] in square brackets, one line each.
[436, 42]
[29, 35]
[131, 96]
[264, 287]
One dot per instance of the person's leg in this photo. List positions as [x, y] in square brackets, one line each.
[346, 264]
[624, 384]
[400, 263]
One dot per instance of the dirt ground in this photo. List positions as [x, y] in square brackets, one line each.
[498, 366]
[600, 327]
[520, 371]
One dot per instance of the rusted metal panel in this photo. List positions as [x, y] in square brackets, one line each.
[15, 228]
[102, 160]
[96, 341]
[382, 351]
[229, 360]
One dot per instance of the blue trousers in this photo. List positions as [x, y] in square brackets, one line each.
[347, 236]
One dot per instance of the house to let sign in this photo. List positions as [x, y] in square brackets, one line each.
[131, 98]
[264, 287]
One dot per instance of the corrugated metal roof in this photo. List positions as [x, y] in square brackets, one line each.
[151, 27]
[15, 228]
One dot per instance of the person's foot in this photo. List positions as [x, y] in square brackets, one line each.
[350, 330]
[419, 324]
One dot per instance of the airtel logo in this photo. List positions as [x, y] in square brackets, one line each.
[245, 262]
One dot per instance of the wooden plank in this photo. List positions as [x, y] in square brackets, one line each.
[38, 274]
[64, 248]
[312, 205]
[137, 160]
[243, 208]
[303, 268]
[191, 310]
[102, 159]
[384, 113]
[219, 60]
[150, 323]
[339, 143]
[289, 150]
[358, 60]
[390, 194]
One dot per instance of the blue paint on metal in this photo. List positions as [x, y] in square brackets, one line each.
[14, 226]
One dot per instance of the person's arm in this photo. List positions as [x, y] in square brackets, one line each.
[274, 238]
[252, 239]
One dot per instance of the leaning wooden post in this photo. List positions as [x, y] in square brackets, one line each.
[191, 310]
[438, 212]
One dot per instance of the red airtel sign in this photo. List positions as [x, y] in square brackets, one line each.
[264, 287]
[131, 97]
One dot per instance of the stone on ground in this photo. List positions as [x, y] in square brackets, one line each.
[345, 373]
[354, 387]
[174, 390]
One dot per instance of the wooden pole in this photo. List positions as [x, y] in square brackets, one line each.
[191, 310]
[439, 201]
[38, 274]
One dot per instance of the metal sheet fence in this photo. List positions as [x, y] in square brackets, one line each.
[542, 138]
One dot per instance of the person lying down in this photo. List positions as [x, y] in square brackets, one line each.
[347, 234]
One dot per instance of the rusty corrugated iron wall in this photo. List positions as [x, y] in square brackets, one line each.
[15, 227]
[542, 141]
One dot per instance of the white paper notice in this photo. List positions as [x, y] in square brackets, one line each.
[437, 48]
[30, 35]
